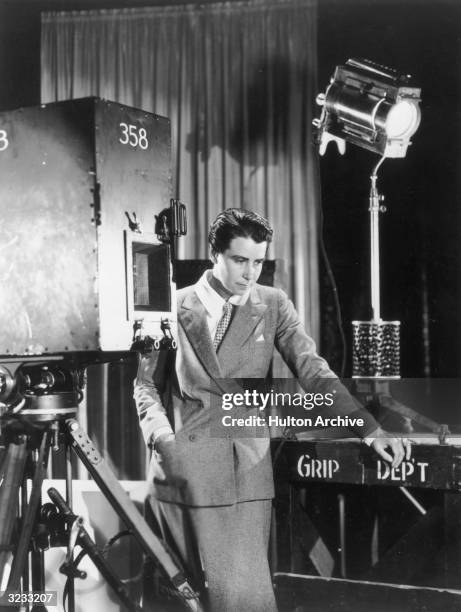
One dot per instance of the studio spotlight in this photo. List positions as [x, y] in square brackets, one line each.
[375, 108]
[371, 106]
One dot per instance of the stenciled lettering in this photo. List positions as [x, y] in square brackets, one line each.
[406, 469]
[317, 468]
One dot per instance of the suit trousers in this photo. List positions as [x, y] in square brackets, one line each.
[224, 551]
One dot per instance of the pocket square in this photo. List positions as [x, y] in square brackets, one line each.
[260, 338]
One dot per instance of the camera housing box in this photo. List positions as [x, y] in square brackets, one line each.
[80, 265]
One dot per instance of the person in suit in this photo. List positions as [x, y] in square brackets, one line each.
[212, 489]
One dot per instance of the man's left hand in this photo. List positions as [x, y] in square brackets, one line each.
[400, 448]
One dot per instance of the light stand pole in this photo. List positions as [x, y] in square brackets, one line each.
[376, 343]
[375, 208]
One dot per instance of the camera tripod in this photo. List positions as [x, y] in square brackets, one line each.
[31, 428]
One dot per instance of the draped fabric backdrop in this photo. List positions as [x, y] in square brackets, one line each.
[238, 81]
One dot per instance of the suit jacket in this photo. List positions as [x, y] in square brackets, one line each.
[205, 465]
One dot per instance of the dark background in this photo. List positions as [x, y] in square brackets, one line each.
[420, 253]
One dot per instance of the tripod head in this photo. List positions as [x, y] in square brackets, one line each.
[34, 393]
[49, 387]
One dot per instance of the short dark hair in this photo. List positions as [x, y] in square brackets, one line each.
[237, 222]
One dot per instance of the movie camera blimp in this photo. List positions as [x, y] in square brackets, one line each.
[81, 267]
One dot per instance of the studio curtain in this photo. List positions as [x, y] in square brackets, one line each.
[238, 82]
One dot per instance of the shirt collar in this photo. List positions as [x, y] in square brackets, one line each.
[212, 301]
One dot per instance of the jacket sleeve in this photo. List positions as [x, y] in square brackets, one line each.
[312, 371]
[150, 390]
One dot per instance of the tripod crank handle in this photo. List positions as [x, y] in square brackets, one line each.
[68, 569]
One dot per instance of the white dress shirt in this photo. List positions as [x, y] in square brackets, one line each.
[214, 303]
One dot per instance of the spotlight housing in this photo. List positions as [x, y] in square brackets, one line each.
[371, 106]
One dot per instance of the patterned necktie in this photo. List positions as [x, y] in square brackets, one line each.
[222, 325]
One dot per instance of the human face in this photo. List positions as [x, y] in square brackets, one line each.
[239, 267]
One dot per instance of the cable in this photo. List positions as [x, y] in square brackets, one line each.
[329, 271]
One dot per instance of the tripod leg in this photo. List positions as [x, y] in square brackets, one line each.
[12, 475]
[127, 511]
[30, 515]
[70, 582]
[94, 553]
[25, 573]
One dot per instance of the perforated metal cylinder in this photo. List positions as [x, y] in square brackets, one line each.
[376, 349]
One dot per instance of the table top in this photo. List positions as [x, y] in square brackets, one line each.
[347, 460]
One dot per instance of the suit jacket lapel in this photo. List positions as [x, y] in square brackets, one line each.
[193, 317]
[245, 320]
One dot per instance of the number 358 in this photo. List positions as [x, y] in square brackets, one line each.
[133, 136]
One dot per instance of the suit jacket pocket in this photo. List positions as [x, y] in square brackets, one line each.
[197, 469]
[166, 464]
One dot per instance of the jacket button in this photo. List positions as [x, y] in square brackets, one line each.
[191, 437]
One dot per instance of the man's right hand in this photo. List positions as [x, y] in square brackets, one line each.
[392, 449]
